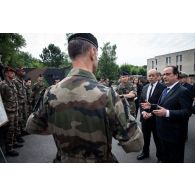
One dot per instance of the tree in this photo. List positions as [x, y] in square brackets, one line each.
[53, 57]
[133, 69]
[10, 43]
[107, 62]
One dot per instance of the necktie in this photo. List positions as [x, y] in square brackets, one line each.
[150, 93]
[164, 93]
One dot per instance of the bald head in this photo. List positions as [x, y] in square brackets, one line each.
[152, 76]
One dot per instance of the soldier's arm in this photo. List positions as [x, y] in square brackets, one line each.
[116, 116]
[132, 93]
[38, 121]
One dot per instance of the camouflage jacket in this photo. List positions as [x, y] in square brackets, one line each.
[125, 88]
[9, 95]
[36, 90]
[29, 94]
[21, 88]
[83, 115]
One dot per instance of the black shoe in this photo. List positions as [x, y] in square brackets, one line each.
[17, 145]
[11, 153]
[142, 156]
[24, 133]
[20, 140]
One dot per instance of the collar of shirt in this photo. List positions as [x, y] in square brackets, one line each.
[170, 87]
[149, 88]
[154, 84]
[81, 72]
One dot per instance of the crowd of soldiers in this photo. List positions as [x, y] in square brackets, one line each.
[19, 98]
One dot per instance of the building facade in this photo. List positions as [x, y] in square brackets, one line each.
[184, 60]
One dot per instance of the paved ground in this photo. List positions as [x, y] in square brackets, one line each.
[41, 149]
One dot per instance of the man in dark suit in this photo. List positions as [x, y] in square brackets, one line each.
[183, 77]
[150, 93]
[172, 116]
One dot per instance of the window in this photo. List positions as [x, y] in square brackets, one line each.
[180, 58]
[180, 67]
[177, 58]
[152, 64]
[167, 60]
[156, 61]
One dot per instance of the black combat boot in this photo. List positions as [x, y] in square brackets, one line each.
[17, 145]
[19, 139]
[11, 152]
[24, 133]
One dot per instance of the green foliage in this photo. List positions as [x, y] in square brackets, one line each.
[25, 59]
[10, 43]
[53, 57]
[133, 70]
[107, 67]
[68, 35]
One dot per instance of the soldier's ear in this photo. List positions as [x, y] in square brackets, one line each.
[93, 53]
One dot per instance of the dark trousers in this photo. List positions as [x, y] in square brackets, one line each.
[173, 152]
[148, 127]
[137, 106]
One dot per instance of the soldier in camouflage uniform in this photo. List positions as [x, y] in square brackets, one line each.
[9, 97]
[127, 90]
[37, 88]
[22, 102]
[29, 96]
[82, 113]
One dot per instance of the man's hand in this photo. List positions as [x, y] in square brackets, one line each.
[146, 115]
[146, 105]
[160, 112]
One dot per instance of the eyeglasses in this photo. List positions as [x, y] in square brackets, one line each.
[167, 74]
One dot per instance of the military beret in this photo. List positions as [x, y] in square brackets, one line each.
[183, 75]
[124, 73]
[19, 68]
[8, 68]
[85, 37]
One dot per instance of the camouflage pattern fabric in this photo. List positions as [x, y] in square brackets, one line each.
[29, 100]
[22, 105]
[125, 88]
[83, 116]
[9, 96]
[36, 90]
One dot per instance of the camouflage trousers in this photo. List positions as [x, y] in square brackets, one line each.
[28, 110]
[132, 108]
[22, 118]
[10, 137]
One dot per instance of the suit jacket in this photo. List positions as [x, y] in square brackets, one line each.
[179, 102]
[190, 88]
[153, 99]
